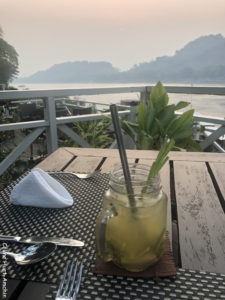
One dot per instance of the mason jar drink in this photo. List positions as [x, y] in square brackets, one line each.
[132, 237]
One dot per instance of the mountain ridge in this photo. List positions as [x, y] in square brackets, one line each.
[201, 60]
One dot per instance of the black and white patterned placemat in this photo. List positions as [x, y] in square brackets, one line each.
[76, 222]
[188, 284]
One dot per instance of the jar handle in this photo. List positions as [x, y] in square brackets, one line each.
[102, 231]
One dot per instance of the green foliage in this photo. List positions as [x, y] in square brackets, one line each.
[96, 133]
[15, 170]
[157, 122]
[8, 61]
[160, 161]
[7, 143]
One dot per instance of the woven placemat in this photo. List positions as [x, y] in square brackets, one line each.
[188, 284]
[76, 222]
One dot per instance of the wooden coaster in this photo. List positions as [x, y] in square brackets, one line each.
[163, 268]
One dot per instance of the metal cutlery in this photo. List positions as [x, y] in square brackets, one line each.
[39, 239]
[78, 175]
[32, 254]
[70, 283]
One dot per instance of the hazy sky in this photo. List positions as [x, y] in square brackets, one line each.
[123, 32]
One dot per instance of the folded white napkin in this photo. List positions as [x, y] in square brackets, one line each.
[41, 190]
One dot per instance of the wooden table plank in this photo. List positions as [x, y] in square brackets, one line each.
[92, 151]
[84, 164]
[110, 163]
[150, 154]
[200, 217]
[56, 161]
[147, 162]
[219, 174]
[197, 156]
[165, 180]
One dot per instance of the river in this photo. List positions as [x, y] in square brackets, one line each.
[203, 104]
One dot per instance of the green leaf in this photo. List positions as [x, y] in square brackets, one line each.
[161, 129]
[150, 117]
[145, 141]
[182, 104]
[142, 115]
[193, 145]
[159, 97]
[167, 115]
[160, 159]
[127, 129]
[176, 148]
[134, 126]
[171, 123]
[181, 121]
[154, 131]
[184, 133]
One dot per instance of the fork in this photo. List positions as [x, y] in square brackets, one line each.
[66, 289]
[78, 175]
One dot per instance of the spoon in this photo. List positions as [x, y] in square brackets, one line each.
[78, 175]
[32, 254]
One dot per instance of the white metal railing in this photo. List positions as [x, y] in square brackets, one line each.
[51, 122]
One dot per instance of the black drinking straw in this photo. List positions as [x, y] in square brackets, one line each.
[123, 156]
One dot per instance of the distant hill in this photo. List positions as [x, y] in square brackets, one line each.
[201, 60]
[70, 72]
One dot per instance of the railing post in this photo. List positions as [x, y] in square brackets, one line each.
[145, 95]
[213, 137]
[129, 144]
[132, 115]
[51, 131]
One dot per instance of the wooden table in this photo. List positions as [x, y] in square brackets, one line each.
[195, 185]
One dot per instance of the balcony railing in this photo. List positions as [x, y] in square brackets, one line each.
[51, 123]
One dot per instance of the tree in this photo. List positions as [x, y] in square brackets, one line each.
[8, 61]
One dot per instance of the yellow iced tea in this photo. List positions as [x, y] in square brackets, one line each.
[133, 239]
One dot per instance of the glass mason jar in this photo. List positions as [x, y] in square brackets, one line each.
[133, 238]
